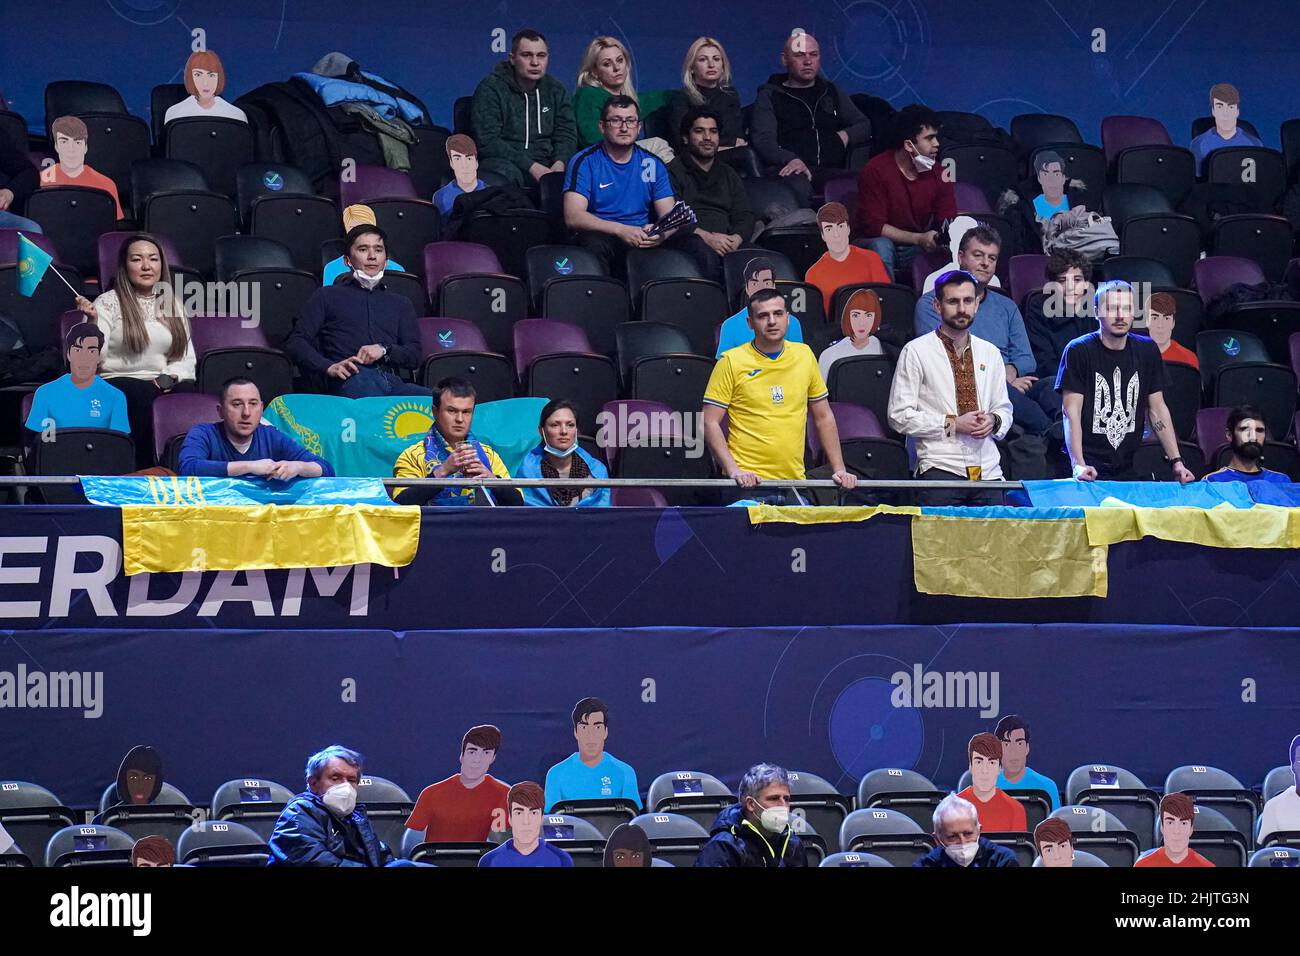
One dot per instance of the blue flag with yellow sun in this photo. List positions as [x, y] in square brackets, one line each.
[362, 437]
[33, 261]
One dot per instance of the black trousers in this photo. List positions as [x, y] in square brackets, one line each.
[958, 497]
[612, 252]
[140, 396]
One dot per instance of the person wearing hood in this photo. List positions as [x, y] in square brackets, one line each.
[323, 826]
[957, 840]
[756, 831]
[803, 125]
[559, 456]
[522, 119]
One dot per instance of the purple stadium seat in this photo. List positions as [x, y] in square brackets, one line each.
[534, 338]
[843, 189]
[443, 259]
[375, 182]
[1120, 132]
[464, 336]
[1294, 343]
[66, 321]
[970, 198]
[9, 245]
[1026, 275]
[923, 263]
[26, 404]
[110, 244]
[225, 332]
[175, 413]
[1211, 424]
[851, 421]
[656, 414]
[638, 498]
[1214, 274]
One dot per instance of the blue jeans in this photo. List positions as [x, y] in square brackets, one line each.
[1036, 410]
[895, 256]
[9, 220]
[369, 382]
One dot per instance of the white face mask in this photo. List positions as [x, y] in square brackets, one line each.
[341, 799]
[557, 452]
[922, 164]
[962, 853]
[775, 819]
[367, 281]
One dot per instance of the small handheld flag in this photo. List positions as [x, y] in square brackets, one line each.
[33, 262]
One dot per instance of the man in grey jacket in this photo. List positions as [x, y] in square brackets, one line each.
[803, 125]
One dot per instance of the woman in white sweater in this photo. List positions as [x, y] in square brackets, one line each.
[147, 346]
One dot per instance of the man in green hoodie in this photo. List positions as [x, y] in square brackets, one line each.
[521, 118]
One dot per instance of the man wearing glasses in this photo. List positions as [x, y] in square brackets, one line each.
[615, 190]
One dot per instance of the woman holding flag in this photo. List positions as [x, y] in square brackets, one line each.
[148, 349]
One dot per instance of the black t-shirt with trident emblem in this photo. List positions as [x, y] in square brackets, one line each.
[1115, 385]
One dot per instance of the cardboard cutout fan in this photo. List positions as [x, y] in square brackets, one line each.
[1054, 842]
[469, 805]
[462, 153]
[71, 143]
[205, 80]
[590, 773]
[1177, 821]
[1158, 320]
[1015, 774]
[1225, 107]
[628, 846]
[1282, 811]
[860, 319]
[1049, 169]
[842, 263]
[153, 851]
[140, 777]
[998, 812]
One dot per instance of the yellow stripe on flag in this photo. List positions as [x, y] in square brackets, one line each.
[1263, 526]
[792, 514]
[238, 538]
[1006, 558]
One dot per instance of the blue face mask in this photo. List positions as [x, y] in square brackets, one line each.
[557, 452]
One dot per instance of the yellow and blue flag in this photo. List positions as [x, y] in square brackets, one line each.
[33, 261]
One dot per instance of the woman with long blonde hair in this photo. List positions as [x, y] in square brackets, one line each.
[706, 81]
[147, 345]
[606, 71]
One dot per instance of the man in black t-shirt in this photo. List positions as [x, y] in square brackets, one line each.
[1109, 381]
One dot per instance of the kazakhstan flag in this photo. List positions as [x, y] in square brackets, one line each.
[33, 261]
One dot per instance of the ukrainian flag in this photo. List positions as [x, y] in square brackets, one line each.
[33, 261]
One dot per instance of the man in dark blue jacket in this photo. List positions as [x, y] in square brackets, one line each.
[756, 832]
[358, 333]
[957, 840]
[323, 826]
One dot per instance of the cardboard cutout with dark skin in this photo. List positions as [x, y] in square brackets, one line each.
[140, 777]
[628, 846]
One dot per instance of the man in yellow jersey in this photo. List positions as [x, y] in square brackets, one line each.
[767, 388]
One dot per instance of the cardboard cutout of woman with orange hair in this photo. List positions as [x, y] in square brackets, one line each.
[859, 321]
[205, 79]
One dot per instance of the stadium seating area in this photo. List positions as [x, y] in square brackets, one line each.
[887, 822]
[227, 214]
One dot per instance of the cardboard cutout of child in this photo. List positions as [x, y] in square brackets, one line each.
[205, 80]
[998, 812]
[462, 153]
[1225, 107]
[859, 321]
[71, 143]
[842, 263]
[467, 806]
